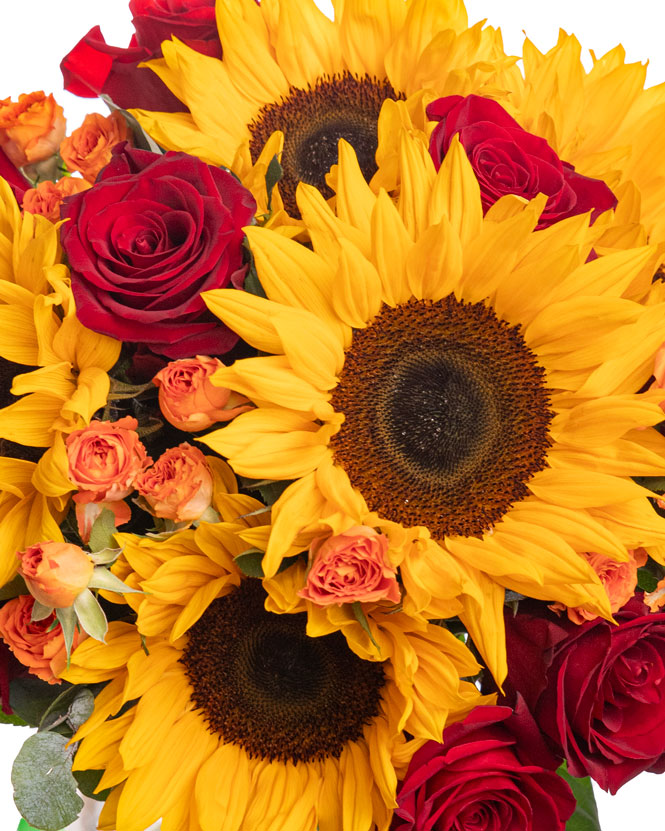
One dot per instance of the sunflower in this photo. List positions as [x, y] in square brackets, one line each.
[237, 719]
[602, 121]
[65, 383]
[293, 82]
[455, 375]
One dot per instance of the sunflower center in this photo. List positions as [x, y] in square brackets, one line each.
[313, 120]
[265, 685]
[446, 416]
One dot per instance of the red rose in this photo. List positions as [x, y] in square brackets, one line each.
[94, 68]
[492, 771]
[597, 691]
[146, 240]
[15, 179]
[507, 159]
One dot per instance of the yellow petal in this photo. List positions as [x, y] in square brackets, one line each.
[456, 194]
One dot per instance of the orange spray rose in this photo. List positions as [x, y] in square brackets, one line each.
[55, 572]
[35, 644]
[47, 197]
[31, 129]
[88, 149]
[105, 458]
[619, 581]
[349, 567]
[190, 401]
[179, 485]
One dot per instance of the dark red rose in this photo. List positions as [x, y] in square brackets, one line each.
[492, 772]
[94, 68]
[143, 243]
[507, 159]
[16, 180]
[597, 691]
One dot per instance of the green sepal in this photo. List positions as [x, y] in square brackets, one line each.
[103, 529]
[102, 578]
[67, 619]
[91, 615]
[40, 611]
[44, 787]
[585, 817]
[105, 557]
[362, 620]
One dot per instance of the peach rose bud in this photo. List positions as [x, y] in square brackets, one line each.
[619, 581]
[46, 198]
[37, 644]
[351, 567]
[190, 401]
[178, 486]
[32, 129]
[104, 459]
[88, 149]
[55, 572]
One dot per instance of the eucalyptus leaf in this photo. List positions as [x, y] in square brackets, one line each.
[44, 787]
[91, 615]
[102, 578]
[103, 529]
[585, 817]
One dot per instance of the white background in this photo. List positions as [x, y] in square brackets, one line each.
[36, 34]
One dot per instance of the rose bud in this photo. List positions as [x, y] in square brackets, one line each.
[38, 644]
[32, 129]
[88, 149]
[105, 457]
[55, 572]
[47, 197]
[190, 401]
[178, 486]
[350, 567]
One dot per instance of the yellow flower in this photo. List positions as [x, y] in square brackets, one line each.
[457, 376]
[38, 328]
[603, 122]
[292, 82]
[241, 722]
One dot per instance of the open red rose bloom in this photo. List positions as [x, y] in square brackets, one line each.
[146, 240]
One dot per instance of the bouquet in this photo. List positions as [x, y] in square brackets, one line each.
[332, 456]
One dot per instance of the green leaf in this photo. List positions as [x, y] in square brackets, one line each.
[13, 719]
[645, 580]
[252, 284]
[30, 697]
[91, 615]
[74, 706]
[24, 826]
[585, 817]
[362, 620]
[653, 483]
[88, 781]
[13, 588]
[105, 557]
[274, 173]
[103, 529]
[249, 562]
[44, 787]
[102, 578]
